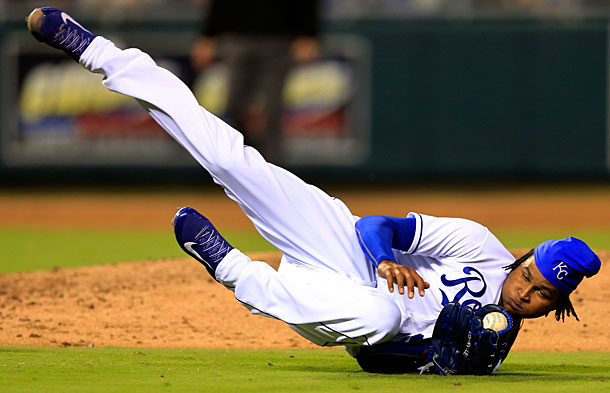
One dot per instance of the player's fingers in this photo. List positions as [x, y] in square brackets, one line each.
[411, 285]
[390, 280]
[419, 283]
[400, 282]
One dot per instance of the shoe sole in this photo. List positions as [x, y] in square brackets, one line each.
[34, 21]
[35, 17]
[176, 216]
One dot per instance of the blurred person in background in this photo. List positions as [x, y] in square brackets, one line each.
[258, 41]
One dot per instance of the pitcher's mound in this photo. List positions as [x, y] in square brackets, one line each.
[174, 303]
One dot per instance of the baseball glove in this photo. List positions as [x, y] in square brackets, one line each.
[461, 345]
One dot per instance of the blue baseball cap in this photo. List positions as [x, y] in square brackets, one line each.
[565, 262]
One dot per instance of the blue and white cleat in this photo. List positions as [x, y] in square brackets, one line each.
[59, 30]
[197, 237]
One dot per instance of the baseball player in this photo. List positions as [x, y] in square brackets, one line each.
[375, 285]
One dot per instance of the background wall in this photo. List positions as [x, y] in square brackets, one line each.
[488, 96]
[440, 94]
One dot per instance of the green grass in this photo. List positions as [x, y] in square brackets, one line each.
[598, 239]
[31, 369]
[26, 249]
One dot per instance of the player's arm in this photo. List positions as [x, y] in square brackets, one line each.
[378, 235]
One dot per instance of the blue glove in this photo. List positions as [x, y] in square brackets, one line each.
[461, 345]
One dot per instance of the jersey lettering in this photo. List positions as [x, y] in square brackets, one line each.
[475, 304]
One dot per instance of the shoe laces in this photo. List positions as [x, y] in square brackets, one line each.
[71, 39]
[212, 243]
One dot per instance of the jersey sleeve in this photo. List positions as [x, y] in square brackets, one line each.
[457, 238]
[378, 235]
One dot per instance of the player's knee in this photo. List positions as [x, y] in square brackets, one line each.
[221, 166]
[391, 318]
[238, 159]
[384, 319]
[227, 165]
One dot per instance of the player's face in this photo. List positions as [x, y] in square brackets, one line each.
[526, 293]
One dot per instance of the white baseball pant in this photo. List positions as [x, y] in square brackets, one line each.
[325, 287]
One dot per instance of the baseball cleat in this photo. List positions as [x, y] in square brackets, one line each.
[59, 30]
[197, 237]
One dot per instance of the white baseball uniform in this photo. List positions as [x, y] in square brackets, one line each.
[326, 289]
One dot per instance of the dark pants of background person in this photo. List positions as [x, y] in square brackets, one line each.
[257, 64]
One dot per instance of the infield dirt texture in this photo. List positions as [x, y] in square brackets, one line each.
[174, 303]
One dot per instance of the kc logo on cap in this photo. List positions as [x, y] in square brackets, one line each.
[562, 272]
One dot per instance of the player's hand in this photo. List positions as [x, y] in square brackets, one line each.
[402, 275]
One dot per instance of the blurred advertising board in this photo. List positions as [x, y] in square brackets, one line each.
[55, 113]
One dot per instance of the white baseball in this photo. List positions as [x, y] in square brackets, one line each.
[495, 321]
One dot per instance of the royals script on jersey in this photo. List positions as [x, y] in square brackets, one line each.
[461, 259]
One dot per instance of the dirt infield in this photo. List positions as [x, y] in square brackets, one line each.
[174, 303]
[551, 207]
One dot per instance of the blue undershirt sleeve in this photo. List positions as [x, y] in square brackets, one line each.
[378, 235]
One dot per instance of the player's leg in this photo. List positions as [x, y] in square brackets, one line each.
[307, 225]
[325, 307]
[311, 228]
